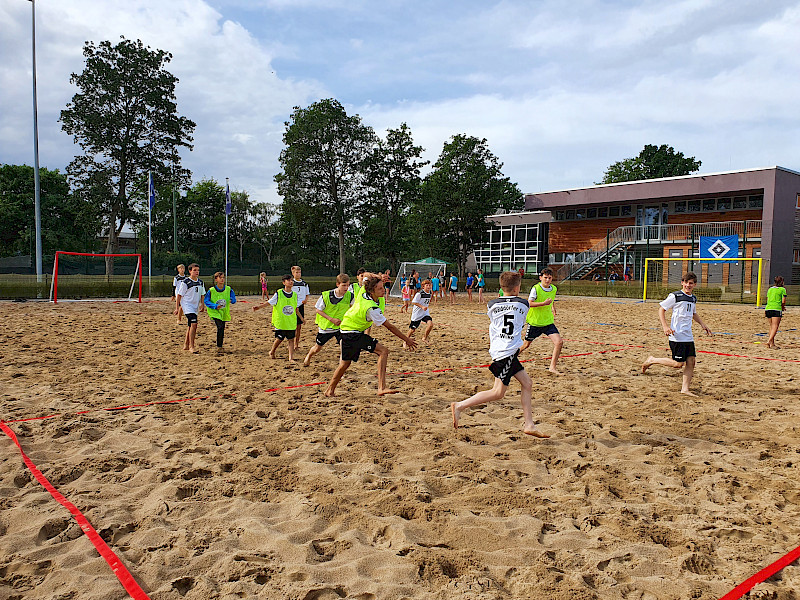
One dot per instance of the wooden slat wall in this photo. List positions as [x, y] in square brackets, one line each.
[577, 236]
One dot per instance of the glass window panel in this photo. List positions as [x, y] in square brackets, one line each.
[580, 213]
[560, 215]
[680, 207]
[709, 203]
[591, 213]
[570, 215]
[740, 202]
[626, 211]
[602, 212]
[519, 234]
[505, 235]
[723, 204]
[756, 201]
[693, 205]
[613, 211]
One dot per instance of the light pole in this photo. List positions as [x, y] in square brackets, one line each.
[37, 210]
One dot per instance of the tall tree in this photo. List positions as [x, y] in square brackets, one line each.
[653, 162]
[466, 186]
[395, 184]
[125, 119]
[324, 171]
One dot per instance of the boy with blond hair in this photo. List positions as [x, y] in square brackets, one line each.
[330, 308]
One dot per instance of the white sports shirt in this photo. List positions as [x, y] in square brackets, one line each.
[683, 308]
[423, 299]
[507, 316]
[302, 289]
[191, 292]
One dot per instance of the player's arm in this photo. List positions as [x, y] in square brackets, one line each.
[177, 303]
[662, 316]
[333, 320]
[697, 318]
[233, 297]
[409, 341]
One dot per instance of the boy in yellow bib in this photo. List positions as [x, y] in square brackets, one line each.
[284, 315]
[330, 308]
[218, 300]
[541, 316]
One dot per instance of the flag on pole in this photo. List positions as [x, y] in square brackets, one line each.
[152, 190]
[725, 246]
[227, 199]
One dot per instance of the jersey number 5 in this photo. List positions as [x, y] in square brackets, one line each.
[508, 325]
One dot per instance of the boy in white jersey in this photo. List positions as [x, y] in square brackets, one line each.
[303, 291]
[188, 296]
[330, 308]
[175, 281]
[421, 311]
[681, 340]
[507, 316]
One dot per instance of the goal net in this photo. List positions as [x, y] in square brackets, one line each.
[718, 279]
[85, 275]
[422, 268]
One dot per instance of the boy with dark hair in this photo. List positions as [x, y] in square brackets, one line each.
[681, 340]
[218, 300]
[285, 315]
[187, 297]
[541, 316]
[507, 315]
[303, 290]
[364, 313]
[330, 308]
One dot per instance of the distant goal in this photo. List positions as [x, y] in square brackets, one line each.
[718, 279]
[83, 275]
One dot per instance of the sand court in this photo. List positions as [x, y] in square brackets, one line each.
[232, 476]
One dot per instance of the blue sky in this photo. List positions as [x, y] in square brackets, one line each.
[559, 89]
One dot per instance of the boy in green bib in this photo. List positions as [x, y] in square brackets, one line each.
[284, 315]
[330, 308]
[218, 300]
[541, 316]
[358, 318]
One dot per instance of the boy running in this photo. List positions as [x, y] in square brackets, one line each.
[284, 315]
[218, 302]
[421, 312]
[541, 316]
[681, 339]
[507, 315]
[187, 298]
[359, 317]
[330, 308]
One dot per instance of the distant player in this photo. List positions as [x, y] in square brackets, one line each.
[776, 304]
[507, 320]
[421, 311]
[359, 317]
[541, 316]
[303, 291]
[453, 287]
[681, 340]
[330, 308]
[264, 291]
[218, 300]
[175, 281]
[188, 295]
[481, 285]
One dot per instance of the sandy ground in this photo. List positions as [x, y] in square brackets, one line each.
[640, 493]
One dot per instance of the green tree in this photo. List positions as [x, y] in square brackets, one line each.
[395, 184]
[323, 177]
[68, 223]
[466, 186]
[653, 162]
[125, 119]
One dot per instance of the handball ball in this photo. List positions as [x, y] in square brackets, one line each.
[222, 303]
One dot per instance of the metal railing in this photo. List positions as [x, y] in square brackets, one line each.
[669, 234]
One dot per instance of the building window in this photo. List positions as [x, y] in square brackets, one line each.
[580, 213]
[693, 206]
[613, 211]
[724, 204]
[570, 215]
[505, 235]
[756, 201]
[559, 215]
[603, 211]
[740, 202]
[709, 204]
[626, 211]
[680, 207]
[676, 253]
[591, 213]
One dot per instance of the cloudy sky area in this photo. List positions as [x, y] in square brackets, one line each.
[559, 89]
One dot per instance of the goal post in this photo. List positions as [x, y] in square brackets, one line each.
[423, 268]
[656, 270]
[96, 285]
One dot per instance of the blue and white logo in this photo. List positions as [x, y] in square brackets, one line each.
[726, 246]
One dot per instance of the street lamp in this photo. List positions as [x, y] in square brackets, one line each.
[37, 209]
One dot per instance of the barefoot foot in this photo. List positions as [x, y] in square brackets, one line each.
[647, 364]
[688, 393]
[554, 371]
[534, 432]
[456, 414]
[272, 355]
[387, 391]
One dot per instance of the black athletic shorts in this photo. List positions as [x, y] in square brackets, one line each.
[324, 338]
[415, 324]
[534, 331]
[772, 313]
[505, 368]
[191, 318]
[285, 334]
[302, 311]
[353, 342]
[682, 350]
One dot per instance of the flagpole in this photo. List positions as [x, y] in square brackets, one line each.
[227, 212]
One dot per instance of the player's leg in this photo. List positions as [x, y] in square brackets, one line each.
[275, 345]
[314, 349]
[337, 377]
[187, 338]
[482, 397]
[774, 324]
[192, 337]
[557, 344]
[428, 330]
[687, 376]
[383, 359]
[525, 399]
[667, 362]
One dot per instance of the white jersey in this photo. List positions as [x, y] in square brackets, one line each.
[683, 308]
[507, 315]
[425, 300]
[191, 292]
[302, 289]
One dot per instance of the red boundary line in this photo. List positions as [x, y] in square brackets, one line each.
[764, 574]
[124, 576]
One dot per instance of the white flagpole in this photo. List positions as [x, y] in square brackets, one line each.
[149, 233]
[227, 212]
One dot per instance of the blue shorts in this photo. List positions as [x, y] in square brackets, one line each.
[534, 331]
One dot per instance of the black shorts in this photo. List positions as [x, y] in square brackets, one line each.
[772, 313]
[682, 350]
[534, 331]
[505, 368]
[191, 318]
[415, 324]
[324, 338]
[301, 310]
[354, 342]
[285, 334]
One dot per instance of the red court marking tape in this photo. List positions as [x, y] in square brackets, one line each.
[764, 574]
[124, 576]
